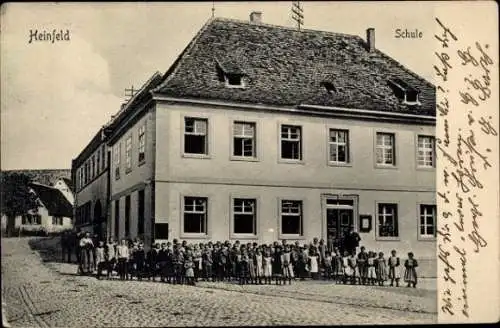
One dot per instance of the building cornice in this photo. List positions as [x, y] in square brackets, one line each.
[308, 110]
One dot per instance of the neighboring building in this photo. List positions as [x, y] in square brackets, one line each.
[64, 185]
[46, 177]
[90, 178]
[54, 213]
[260, 133]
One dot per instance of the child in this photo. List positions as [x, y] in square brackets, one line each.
[338, 266]
[243, 267]
[110, 255]
[197, 262]
[286, 263]
[267, 266]
[410, 271]
[207, 264]
[122, 253]
[100, 258]
[313, 263]
[259, 265]
[152, 261]
[362, 265]
[327, 262]
[252, 268]
[353, 263]
[394, 270]
[372, 275]
[276, 264]
[381, 269]
[189, 268]
[348, 273]
[162, 262]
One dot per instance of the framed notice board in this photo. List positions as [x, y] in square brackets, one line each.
[365, 223]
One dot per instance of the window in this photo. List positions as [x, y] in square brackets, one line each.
[142, 143]
[98, 163]
[57, 220]
[291, 142]
[117, 155]
[291, 217]
[388, 220]
[425, 153]
[339, 146]
[244, 139]
[140, 213]
[244, 214]
[195, 136]
[117, 218]
[92, 167]
[103, 155]
[427, 225]
[128, 154]
[127, 216]
[385, 149]
[32, 219]
[195, 215]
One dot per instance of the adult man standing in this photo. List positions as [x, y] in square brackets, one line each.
[351, 240]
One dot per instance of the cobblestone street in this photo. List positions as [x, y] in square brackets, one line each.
[44, 293]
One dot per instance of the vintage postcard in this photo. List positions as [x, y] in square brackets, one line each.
[249, 163]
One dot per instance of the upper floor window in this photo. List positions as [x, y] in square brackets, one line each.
[427, 224]
[339, 146]
[195, 136]
[425, 152]
[98, 162]
[244, 139]
[291, 140]
[244, 215]
[195, 215]
[388, 220]
[116, 156]
[291, 217]
[142, 143]
[103, 155]
[385, 149]
[92, 167]
[128, 154]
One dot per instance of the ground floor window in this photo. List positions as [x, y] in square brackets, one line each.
[32, 219]
[291, 217]
[388, 220]
[427, 225]
[195, 215]
[244, 216]
[57, 220]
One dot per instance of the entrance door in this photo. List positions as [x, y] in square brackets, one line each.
[339, 216]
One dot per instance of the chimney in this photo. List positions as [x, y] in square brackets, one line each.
[256, 17]
[370, 39]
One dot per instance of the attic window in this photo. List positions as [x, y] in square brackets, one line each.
[330, 88]
[231, 75]
[405, 92]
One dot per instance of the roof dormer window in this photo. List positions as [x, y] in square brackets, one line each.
[231, 74]
[405, 92]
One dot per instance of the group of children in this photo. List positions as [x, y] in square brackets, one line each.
[180, 263]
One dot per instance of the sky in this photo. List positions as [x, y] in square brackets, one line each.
[55, 97]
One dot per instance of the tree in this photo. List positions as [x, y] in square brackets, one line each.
[16, 199]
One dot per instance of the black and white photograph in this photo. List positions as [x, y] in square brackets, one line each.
[249, 163]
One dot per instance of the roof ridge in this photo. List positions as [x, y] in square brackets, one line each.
[289, 28]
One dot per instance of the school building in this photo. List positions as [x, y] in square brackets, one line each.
[261, 133]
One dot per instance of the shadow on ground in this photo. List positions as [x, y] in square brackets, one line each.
[49, 249]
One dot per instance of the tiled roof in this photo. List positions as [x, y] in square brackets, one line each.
[286, 67]
[53, 200]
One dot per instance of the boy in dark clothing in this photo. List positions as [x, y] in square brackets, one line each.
[151, 260]
[162, 261]
[140, 259]
[363, 266]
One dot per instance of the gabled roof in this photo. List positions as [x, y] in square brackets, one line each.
[53, 200]
[286, 67]
[68, 182]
